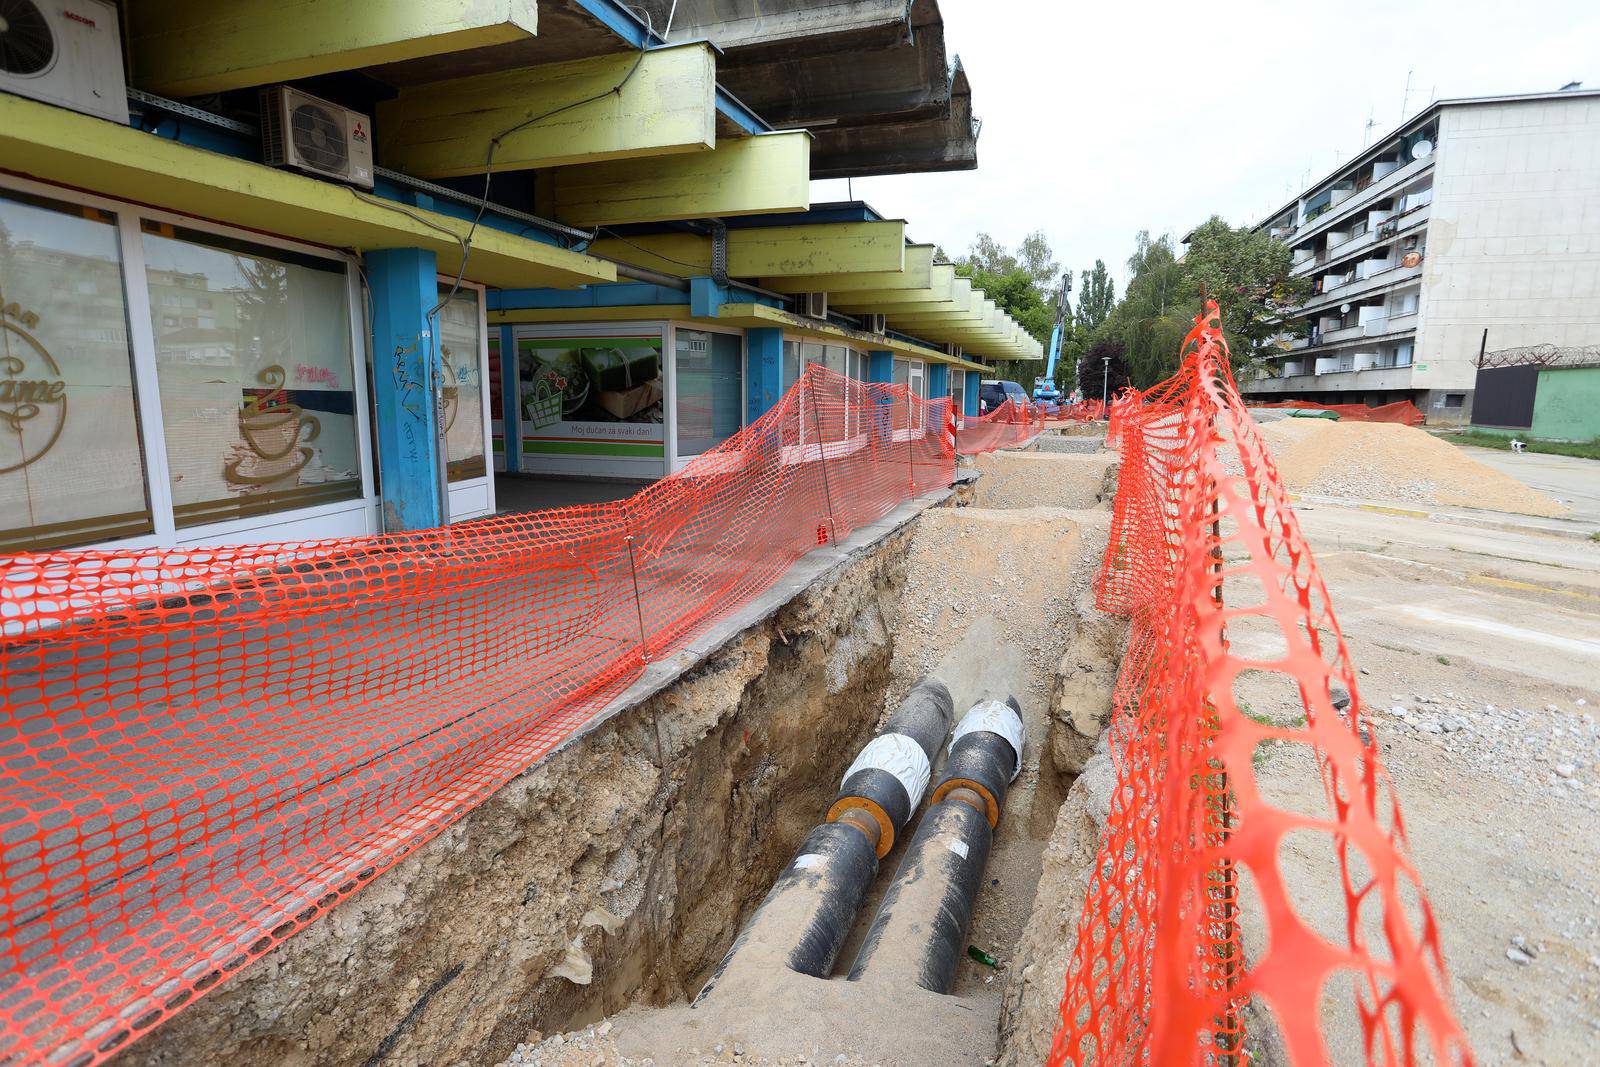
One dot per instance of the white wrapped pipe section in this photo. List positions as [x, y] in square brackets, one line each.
[997, 717]
[900, 756]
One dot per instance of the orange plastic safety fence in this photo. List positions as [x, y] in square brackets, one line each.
[1194, 938]
[1402, 411]
[1006, 426]
[1082, 411]
[204, 748]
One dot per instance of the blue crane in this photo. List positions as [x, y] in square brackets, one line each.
[1044, 388]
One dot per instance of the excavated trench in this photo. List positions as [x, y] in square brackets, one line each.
[573, 917]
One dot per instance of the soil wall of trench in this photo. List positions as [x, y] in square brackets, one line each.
[614, 872]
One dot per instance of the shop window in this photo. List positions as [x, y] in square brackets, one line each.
[259, 410]
[71, 461]
[710, 389]
[460, 338]
[793, 363]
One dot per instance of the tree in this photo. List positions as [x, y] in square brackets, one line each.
[1248, 274]
[1097, 295]
[1035, 257]
[1155, 311]
[1102, 369]
[987, 254]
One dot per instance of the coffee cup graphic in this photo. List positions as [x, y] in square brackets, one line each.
[276, 431]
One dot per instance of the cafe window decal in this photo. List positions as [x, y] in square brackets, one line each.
[71, 460]
[275, 432]
[33, 395]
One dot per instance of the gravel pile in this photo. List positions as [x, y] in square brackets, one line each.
[1383, 461]
[1556, 752]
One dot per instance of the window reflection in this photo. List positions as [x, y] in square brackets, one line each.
[254, 364]
[71, 462]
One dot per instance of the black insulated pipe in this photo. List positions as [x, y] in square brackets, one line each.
[920, 928]
[985, 755]
[888, 778]
[808, 913]
[918, 933]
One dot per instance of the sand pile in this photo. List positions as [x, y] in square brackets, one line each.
[1384, 461]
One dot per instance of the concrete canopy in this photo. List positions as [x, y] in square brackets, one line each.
[870, 78]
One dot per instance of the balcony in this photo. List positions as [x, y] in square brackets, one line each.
[1374, 378]
[1350, 289]
[1343, 333]
[1327, 217]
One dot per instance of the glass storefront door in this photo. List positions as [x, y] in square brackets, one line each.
[709, 373]
[463, 357]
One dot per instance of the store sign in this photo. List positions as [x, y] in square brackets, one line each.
[33, 395]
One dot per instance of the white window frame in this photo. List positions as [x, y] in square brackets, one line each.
[669, 364]
[916, 374]
[473, 498]
[587, 466]
[855, 438]
[343, 518]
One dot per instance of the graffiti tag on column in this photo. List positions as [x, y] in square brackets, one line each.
[407, 389]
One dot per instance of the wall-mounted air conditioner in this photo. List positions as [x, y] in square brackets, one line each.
[816, 305]
[877, 323]
[306, 133]
[68, 54]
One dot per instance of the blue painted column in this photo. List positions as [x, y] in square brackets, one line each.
[973, 379]
[880, 367]
[938, 387]
[405, 288]
[763, 369]
[510, 401]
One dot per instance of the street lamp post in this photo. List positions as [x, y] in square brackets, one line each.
[1105, 377]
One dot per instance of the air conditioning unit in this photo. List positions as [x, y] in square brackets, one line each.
[68, 54]
[305, 133]
[877, 323]
[816, 305]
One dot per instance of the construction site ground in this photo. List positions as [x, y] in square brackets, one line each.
[1476, 636]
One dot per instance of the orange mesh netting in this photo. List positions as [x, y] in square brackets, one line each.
[1402, 411]
[204, 748]
[1201, 936]
[1006, 426]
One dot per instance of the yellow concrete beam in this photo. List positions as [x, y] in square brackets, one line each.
[67, 148]
[980, 312]
[916, 277]
[748, 176]
[189, 47]
[443, 129]
[637, 312]
[768, 251]
[754, 316]
[937, 292]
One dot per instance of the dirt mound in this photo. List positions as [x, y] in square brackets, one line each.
[1383, 461]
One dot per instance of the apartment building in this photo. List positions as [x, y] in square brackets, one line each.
[1475, 215]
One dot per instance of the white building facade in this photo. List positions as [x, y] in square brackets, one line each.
[1477, 223]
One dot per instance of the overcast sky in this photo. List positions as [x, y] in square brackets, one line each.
[1105, 117]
